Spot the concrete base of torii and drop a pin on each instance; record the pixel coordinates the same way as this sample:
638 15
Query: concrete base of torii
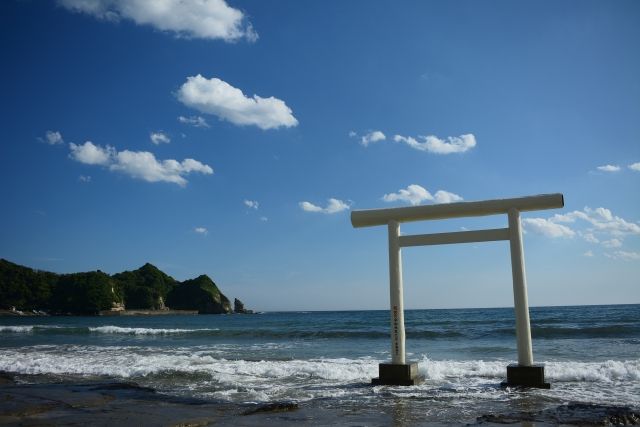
525 376
398 374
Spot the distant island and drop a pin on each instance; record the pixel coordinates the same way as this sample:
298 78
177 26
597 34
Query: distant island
146 290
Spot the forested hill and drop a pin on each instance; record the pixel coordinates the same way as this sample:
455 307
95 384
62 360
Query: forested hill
146 288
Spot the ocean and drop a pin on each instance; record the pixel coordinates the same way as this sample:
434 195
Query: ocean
327 359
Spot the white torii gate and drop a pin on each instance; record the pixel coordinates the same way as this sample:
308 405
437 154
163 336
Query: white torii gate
398 372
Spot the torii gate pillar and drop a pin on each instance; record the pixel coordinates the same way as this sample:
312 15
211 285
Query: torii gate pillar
523 374
398 372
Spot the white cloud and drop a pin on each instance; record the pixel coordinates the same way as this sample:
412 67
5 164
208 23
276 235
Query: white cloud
374 136
352 134
91 154
207 19
436 145
195 121
414 194
52 137
547 227
264 219
159 138
629 256
253 204
446 197
613 243
201 230
602 226
601 220
84 178
138 164
217 97
609 168
333 206
635 166
588 254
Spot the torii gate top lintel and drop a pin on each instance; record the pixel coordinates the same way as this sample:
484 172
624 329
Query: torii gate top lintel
372 217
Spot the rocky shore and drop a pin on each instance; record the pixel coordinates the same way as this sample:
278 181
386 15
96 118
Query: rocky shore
107 403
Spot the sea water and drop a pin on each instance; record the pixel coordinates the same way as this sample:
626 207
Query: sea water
591 354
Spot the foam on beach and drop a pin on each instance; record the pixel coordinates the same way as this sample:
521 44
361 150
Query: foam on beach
16 329
108 329
206 373
145 331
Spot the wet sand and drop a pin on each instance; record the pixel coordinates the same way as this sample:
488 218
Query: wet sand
128 404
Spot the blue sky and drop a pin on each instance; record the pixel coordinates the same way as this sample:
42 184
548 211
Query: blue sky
233 139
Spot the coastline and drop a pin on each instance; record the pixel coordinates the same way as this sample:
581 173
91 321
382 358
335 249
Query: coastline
9 313
106 403
147 312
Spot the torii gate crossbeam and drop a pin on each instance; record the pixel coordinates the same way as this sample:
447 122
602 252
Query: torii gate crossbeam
398 372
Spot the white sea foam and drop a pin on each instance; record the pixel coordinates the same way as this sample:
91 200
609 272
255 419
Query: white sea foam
263 380
16 329
143 331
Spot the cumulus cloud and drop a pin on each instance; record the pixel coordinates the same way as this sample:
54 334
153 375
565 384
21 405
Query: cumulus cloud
52 137
588 254
547 227
333 206
601 220
264 219
433 144
217 97
159 138
253 204
201 230
635 166
609 168
442 196
195 121
599 225
84 178
370 137
416 194
91 154
206 19
413 194
138 164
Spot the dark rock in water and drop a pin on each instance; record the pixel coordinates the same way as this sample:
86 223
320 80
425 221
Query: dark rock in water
272 407
6 378
571 414
238 307
122 387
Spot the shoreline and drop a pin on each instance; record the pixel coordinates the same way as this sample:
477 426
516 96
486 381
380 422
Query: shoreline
9 313
111 402
147 312
109 313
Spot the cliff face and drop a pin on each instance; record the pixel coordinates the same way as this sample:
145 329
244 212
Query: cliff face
88 293
200 294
